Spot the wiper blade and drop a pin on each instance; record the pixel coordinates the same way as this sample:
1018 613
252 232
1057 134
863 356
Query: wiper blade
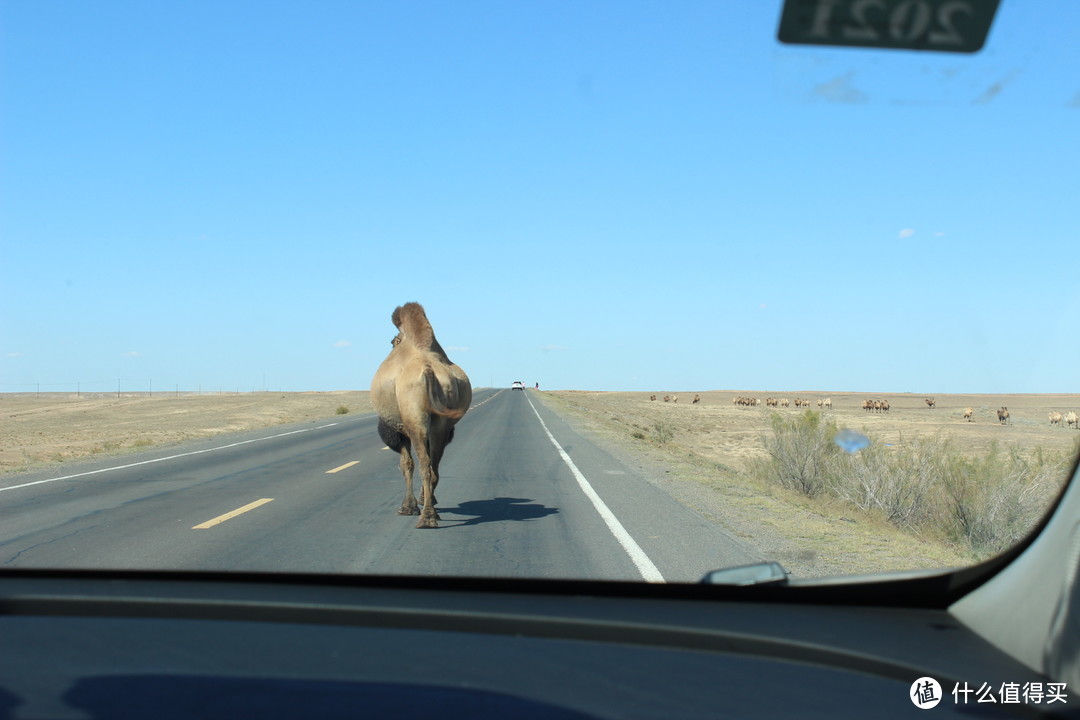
766 573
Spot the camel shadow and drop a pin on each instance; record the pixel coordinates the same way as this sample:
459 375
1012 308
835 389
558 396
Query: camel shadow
495 510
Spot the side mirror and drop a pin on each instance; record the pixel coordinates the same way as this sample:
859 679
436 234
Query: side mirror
766 573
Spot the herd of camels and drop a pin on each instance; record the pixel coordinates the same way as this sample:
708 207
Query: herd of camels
1069 418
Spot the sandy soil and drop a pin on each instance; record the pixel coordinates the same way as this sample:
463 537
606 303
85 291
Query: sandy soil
39 430
702 463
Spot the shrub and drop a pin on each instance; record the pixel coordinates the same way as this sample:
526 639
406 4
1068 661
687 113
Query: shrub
993 501
988 503
895 481
799 449
662 432
342 410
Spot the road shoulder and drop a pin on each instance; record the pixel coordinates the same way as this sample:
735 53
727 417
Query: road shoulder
809 538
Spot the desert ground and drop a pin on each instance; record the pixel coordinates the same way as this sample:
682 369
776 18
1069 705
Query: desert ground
48 428
698 452
719 430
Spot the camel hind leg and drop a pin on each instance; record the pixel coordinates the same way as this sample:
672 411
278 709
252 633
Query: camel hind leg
428 517
399 442
409 506
435 453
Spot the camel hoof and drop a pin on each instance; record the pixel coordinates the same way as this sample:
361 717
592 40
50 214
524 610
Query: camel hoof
428 522
408 511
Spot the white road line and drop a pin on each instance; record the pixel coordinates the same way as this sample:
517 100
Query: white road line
645 566
230 515
163 459
343 467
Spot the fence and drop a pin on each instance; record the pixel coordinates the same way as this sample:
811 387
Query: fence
120 387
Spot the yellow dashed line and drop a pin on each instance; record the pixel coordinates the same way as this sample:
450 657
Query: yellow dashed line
229 515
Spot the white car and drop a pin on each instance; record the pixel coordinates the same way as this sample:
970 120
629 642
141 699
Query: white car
518 385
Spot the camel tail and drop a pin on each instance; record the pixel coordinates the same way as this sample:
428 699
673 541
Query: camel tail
436 398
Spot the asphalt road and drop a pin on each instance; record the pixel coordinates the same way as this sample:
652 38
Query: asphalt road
521 494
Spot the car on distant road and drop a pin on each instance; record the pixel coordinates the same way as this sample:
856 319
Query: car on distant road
518 385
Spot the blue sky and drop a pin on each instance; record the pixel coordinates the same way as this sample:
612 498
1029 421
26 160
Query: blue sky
605 196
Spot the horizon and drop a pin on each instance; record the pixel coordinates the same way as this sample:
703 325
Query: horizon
165 393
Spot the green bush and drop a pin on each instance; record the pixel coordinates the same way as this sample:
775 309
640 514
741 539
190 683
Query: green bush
342 410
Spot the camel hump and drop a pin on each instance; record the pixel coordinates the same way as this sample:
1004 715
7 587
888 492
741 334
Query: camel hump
437 400
413 323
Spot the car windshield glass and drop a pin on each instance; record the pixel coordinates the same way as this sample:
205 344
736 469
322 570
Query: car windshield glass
765 301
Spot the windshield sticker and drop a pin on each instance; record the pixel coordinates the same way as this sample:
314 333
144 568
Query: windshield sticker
941 25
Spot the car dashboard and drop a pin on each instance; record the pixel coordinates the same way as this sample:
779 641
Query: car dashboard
170 645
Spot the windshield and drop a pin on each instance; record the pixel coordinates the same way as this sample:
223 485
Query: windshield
758 301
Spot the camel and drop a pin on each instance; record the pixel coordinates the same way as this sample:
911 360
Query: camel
419 395
1071 419
931 403
968 413
1003 415
696 400
1055 418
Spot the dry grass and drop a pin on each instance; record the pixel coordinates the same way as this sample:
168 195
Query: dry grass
55 428
707 464
987 502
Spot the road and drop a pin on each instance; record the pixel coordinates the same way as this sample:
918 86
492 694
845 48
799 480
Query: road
521 494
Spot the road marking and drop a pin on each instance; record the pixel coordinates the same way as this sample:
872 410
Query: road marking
473 407
163 459
346 465
230 515
641 561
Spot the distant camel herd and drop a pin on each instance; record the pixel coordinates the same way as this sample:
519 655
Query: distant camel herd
779 402
675 398
1070 418
879 406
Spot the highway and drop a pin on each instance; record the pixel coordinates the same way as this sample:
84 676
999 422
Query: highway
521 494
